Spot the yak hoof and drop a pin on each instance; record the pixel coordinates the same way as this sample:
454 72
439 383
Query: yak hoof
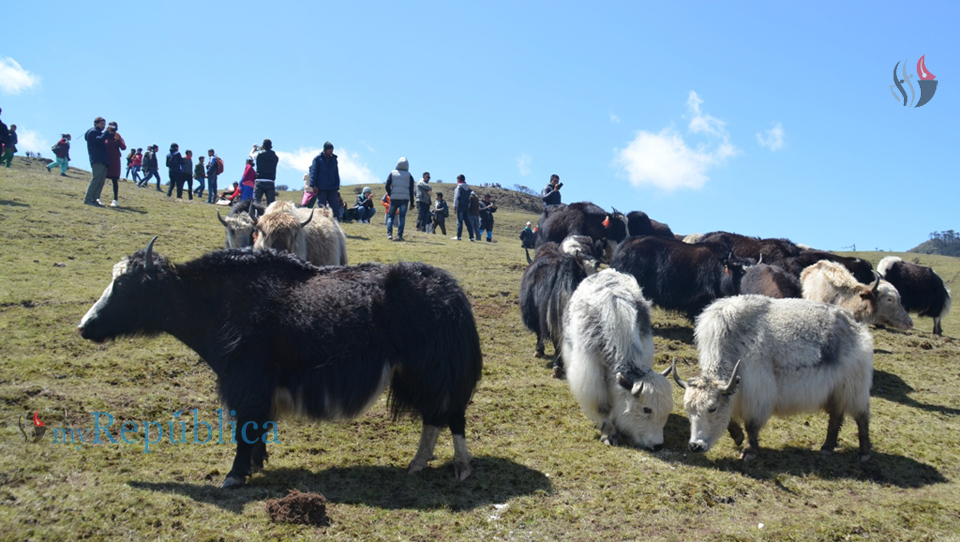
233 482
416 466
748 455
462 471
539 354
610 440
864 457
826 452
558 372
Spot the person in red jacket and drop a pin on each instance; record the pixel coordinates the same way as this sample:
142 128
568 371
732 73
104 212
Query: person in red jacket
248 180
115 145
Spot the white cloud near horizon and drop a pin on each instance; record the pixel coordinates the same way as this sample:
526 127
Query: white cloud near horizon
28 140
14 79
772 138
352 169
523 164
665 161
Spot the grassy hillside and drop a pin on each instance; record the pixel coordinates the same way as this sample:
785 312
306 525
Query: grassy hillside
539 470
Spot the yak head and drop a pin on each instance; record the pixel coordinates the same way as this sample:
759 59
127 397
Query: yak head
707 403
585 248
734 267
282 230
880 304
240 228
126 302
645 402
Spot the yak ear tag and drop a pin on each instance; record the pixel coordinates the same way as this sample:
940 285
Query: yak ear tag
606 222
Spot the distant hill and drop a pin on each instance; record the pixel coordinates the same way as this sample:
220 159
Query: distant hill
509 200
946 243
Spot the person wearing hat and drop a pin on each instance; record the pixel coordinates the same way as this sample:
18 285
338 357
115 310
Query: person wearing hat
527 238
325 180
364 206
151 166
62 153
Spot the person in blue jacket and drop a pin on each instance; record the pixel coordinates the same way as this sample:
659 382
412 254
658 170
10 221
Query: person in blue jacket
99 160
325 180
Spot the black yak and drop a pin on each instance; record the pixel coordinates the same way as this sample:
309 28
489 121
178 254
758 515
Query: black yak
282 334
547 285
557 222
921 289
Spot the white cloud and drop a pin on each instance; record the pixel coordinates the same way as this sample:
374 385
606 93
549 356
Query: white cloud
523 164
772 138
352 170
28 140
14 79
614 119
665 161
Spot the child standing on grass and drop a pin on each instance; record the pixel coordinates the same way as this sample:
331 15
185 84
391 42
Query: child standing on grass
440 212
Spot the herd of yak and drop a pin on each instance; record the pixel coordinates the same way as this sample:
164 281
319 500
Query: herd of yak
288 326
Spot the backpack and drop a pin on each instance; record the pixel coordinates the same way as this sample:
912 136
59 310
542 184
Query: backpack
55 148
219 166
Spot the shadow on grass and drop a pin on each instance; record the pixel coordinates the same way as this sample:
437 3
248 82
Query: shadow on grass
683 334
494 480
129 210
885 469
882 468
358 237
892 388
12 203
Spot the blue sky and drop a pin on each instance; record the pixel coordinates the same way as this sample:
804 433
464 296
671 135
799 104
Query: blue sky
769 119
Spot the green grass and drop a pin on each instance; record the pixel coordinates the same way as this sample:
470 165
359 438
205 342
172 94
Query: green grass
540 471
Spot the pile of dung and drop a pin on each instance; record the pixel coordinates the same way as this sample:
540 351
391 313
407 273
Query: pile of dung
297 507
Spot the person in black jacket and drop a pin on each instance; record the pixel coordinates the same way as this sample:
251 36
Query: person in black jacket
175 170
487 208
266 166
551 194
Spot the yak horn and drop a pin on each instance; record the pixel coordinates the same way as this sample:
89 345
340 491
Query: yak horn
734 380
222 221
307 221
876 284
148 254
676 377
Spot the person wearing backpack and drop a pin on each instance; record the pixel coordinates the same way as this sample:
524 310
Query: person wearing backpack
461 202
214 169
175 170
99 160
130 156
62 153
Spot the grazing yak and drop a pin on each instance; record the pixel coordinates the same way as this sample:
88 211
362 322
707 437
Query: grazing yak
284 335
921 289
680 276
241 222
314 236
771 281
557 222
861 269
761 356
546 287
879 304
608 347
638 223
771 250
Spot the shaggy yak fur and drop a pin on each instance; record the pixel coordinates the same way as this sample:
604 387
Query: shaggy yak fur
545 288
638 223
921 289
557 222
771 250
861 269
241 222
680 276
314 236
830 282
608 345
284 335
761 356
771 281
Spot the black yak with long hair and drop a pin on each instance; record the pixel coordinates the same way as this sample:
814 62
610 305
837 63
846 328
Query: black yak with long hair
282 334
680 276
557 222
547 285
772 250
